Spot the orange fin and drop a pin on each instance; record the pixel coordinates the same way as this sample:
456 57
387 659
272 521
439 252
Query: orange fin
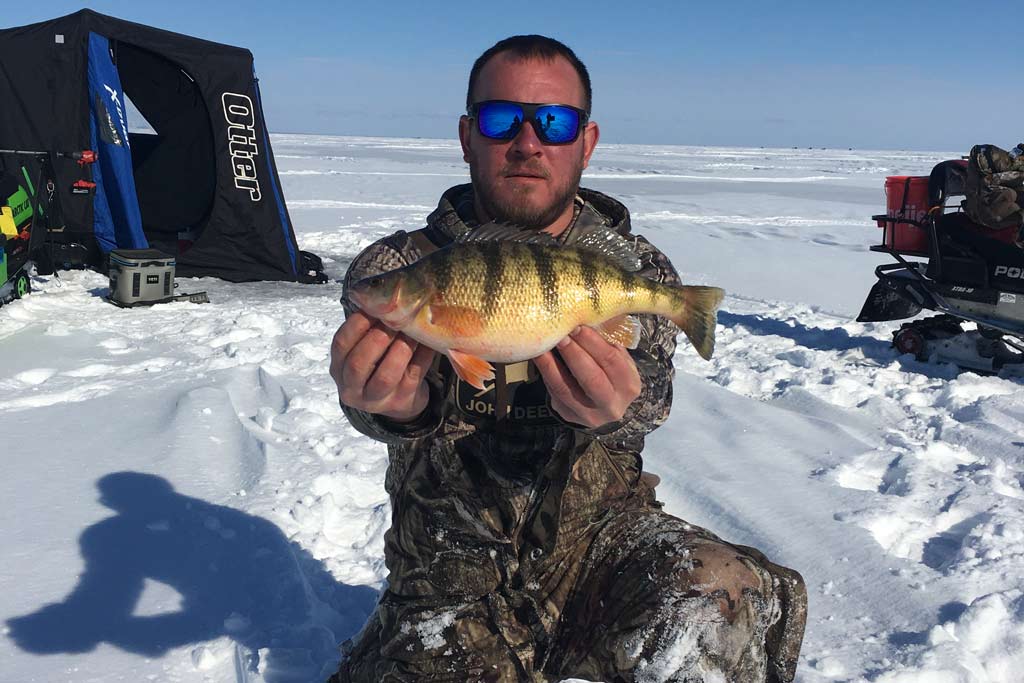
623 330
471 369
458 321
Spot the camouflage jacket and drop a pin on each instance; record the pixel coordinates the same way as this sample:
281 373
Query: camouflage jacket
473 497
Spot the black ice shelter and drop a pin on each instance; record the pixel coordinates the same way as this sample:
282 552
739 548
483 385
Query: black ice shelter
201 186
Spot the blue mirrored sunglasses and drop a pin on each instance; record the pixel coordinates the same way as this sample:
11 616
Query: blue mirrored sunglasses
555 124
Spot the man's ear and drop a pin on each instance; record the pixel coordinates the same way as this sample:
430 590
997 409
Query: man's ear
591 134
464 132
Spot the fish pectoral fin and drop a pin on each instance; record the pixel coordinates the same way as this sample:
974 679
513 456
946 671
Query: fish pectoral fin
623 330
471 369
458 321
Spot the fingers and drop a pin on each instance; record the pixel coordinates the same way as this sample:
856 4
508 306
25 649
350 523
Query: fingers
561 385
401 370
567 398
603 352
390 369
617 366
582 363
567 413
421 361
382 371
350 332
363 358
590 381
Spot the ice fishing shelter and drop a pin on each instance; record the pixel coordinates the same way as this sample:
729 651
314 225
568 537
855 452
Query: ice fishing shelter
202 185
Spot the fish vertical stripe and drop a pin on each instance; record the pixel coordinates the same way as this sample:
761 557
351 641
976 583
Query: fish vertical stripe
628 283
443 270
548 279
494 268
589 272
651 288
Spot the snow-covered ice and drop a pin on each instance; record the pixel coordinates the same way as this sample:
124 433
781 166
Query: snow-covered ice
185 501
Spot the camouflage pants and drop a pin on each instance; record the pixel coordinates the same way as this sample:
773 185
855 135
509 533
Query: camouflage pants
648 598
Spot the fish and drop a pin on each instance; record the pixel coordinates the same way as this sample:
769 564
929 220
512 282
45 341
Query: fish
504 294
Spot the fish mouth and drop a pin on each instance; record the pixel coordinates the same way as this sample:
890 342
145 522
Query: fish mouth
360 296
395 314
399 321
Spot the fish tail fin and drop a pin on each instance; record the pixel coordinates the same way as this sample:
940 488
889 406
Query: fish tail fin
697 316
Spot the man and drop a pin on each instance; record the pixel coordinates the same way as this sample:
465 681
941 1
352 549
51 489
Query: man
526 543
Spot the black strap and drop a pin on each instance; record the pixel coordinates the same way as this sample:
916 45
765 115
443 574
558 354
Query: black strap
500 393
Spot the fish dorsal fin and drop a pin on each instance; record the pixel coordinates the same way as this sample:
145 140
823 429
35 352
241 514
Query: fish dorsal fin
507 232
607 243
612 246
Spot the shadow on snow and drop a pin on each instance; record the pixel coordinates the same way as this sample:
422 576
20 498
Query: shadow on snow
236 575
839 340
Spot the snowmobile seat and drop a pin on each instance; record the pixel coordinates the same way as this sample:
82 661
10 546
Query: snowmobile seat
949 179
957 223
971 255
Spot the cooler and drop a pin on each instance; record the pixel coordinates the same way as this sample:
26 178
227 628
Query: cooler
139 277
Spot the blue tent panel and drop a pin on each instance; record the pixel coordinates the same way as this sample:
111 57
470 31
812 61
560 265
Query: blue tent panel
286 227
117 219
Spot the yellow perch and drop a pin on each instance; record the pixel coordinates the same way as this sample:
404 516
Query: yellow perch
505 295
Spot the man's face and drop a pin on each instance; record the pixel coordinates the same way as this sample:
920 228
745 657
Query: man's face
524 181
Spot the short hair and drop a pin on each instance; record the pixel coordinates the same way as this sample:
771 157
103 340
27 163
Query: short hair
531 47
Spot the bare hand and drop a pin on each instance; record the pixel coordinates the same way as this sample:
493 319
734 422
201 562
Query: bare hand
379 370
594 382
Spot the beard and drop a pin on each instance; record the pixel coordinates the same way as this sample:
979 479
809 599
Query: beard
517 209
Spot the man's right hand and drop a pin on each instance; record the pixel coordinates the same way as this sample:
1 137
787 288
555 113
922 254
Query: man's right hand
379 370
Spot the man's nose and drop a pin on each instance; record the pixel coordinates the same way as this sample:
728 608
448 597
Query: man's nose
526 143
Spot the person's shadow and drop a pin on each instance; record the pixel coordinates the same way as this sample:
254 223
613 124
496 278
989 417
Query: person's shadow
236 575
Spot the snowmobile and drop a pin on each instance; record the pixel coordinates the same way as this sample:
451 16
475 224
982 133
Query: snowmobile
16 263
16 284
29 213
970 275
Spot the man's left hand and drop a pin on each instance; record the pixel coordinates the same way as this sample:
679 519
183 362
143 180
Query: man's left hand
594 381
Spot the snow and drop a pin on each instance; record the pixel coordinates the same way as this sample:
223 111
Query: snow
186 502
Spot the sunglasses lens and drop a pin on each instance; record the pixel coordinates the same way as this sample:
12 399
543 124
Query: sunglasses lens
499 120
556 124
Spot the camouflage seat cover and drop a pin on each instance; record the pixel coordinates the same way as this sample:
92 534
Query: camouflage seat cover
995 188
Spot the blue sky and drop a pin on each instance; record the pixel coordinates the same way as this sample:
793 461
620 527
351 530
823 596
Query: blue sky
938 75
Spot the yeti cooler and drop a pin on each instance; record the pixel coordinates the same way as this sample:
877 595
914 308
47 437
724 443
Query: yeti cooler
139 277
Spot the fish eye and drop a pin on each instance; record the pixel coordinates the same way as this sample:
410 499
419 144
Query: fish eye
376 281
